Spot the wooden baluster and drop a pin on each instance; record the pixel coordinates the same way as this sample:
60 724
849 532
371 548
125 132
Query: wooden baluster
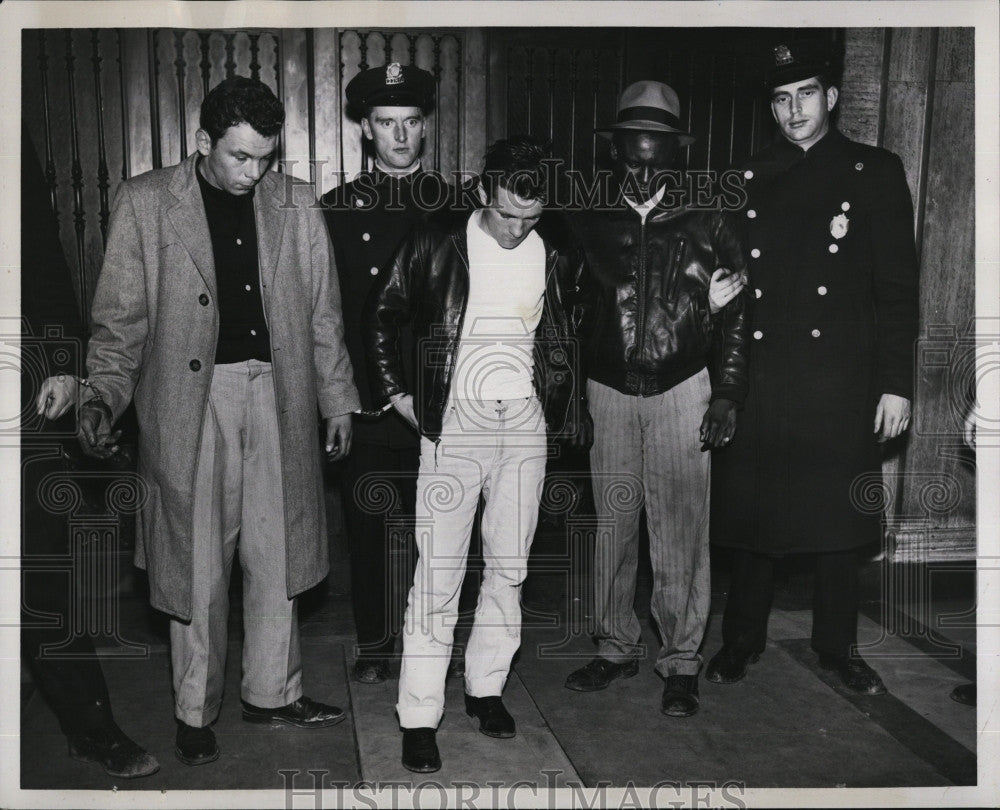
363 48
574 80
50 166
205 65
230 55
79 217
154 98
255 56
437 102
459 104
180 68
595 84
126 168
102 160
551 78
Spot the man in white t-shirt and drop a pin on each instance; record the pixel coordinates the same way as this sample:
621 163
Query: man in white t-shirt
495 300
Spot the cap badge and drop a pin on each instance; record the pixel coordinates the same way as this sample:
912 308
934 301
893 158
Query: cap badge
394 73
838 227
782 56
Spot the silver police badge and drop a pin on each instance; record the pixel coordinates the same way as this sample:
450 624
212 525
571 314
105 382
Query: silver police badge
783 55
394 73
839 225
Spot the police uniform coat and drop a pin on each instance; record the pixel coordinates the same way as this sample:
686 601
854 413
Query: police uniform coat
368 219
155 329
833 274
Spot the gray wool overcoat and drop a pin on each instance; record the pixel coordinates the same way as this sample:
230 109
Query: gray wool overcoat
155 328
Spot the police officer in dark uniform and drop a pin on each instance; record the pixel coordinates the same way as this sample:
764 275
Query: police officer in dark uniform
368 218
828 227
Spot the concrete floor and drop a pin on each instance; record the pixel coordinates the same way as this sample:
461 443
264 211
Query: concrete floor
788 724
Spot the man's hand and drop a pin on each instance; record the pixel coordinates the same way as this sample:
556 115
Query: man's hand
93 430
724 287
338 437
580 431
56 395
719 424
404 405
892 417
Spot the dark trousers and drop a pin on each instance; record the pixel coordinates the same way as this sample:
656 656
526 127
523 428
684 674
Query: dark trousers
835 602
379 490
64 667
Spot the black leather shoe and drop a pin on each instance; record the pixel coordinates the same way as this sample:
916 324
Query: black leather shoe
195 746
680 696
599 673
371 670
420 750
303 713
854 673
729 665
965 694
494 719
114 751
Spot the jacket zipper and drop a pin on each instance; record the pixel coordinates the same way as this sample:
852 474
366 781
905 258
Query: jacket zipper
640 297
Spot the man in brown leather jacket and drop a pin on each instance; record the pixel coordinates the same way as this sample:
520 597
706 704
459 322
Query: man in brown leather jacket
669 279
494 300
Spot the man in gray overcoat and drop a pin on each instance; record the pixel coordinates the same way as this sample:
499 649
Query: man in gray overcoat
218 312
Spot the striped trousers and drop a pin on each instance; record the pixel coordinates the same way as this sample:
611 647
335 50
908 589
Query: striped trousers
647 452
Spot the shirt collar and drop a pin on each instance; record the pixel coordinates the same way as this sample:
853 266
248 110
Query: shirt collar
643 208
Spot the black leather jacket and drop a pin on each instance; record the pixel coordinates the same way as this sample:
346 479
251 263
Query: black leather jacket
652 323
428 286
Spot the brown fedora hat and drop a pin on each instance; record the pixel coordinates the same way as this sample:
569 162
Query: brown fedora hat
651 106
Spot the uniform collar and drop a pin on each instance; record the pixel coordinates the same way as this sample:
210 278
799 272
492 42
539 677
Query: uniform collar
828 145
381 175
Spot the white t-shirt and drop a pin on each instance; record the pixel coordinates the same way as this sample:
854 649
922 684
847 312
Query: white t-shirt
506 295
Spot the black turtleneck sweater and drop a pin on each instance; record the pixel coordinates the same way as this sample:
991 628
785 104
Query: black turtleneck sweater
243 331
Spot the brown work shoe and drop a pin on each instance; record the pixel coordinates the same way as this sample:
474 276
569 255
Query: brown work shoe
854 673
302 713
600 672
114 751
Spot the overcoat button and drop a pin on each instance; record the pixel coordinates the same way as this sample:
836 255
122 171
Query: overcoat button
358 203
758 292
845 206
755 253
758 335
203 300
748 174
366 236
194 365
834 248
374 271
815 333
247 287
859 166
821 290
751 214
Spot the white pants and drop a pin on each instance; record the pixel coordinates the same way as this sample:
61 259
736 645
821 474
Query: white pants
497 448
238 495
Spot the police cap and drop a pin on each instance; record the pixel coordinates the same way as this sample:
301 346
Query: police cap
392 85
793 62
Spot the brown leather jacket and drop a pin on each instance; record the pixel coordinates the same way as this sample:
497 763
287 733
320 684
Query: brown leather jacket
652 323
428 286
